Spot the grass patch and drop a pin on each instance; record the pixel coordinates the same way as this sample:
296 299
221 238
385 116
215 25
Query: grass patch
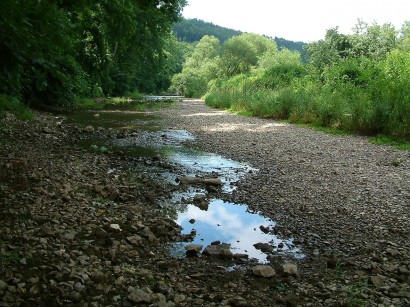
387 140
242 113
15 106
317 127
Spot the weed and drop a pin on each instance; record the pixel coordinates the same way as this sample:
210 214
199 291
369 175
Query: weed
355 294
10 258
97 149
281 287
338 272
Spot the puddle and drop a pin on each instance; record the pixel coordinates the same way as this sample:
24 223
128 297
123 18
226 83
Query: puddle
226 222
229 223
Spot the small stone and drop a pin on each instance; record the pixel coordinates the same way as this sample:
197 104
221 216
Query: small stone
179 298
264 247
79 287
34 280
120 281
290 269
3 285
100 233
134 240
264 271
221 251
192 221
138 296
193 247
70 235
23 261
89 129
115 227
34 290
377 281
264 229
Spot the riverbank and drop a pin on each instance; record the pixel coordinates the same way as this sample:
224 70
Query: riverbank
344 200
78 228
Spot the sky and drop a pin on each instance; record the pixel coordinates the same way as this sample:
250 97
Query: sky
297 20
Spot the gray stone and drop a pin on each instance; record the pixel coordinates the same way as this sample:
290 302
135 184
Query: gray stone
70 235
89 129
3 285
220 251
264 271
138 296
377 281
290 269
194 247
134 240
115 227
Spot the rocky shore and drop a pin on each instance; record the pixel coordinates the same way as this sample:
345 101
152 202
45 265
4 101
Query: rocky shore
80 228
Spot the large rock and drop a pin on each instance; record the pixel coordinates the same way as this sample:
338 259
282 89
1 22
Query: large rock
220 251
263 271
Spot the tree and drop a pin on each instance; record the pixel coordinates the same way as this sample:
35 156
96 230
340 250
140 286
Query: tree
241 53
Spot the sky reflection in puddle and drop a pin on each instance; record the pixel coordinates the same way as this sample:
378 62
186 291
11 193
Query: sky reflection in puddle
229 223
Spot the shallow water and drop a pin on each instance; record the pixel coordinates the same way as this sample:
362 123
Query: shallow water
226 222
229 223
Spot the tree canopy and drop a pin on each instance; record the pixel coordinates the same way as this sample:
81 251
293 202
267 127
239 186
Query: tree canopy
51 51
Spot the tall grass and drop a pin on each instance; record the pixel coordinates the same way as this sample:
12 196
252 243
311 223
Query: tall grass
355 95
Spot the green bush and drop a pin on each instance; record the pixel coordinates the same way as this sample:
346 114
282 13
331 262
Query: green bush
15 106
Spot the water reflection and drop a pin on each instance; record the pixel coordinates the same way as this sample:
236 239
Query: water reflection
229 223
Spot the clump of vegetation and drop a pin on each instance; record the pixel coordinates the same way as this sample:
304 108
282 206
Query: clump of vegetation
355 83
52 52
15 106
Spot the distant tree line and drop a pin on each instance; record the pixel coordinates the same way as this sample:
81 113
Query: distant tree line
192 31
53 51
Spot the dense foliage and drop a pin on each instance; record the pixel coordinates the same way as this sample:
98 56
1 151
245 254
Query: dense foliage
357 82
193 30
52 51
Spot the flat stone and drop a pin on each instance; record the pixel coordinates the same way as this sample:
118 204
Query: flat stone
263 271
115 227
138 296
377 281
220 251
134 240
193 247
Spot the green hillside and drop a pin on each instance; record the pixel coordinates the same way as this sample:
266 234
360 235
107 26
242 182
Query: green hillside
192 30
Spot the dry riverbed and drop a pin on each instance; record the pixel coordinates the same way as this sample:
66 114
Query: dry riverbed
80 228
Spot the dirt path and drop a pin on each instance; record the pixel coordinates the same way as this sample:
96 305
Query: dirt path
345 201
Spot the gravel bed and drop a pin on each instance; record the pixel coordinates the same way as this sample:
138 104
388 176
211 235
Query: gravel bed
346 202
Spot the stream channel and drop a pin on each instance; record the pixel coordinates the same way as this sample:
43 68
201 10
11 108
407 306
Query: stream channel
139 132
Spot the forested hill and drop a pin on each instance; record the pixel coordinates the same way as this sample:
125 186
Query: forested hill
192 30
